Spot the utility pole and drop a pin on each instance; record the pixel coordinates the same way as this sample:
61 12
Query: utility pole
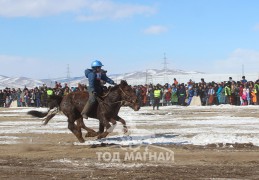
146 76
68 75
243 71
165 68
50 83
149 78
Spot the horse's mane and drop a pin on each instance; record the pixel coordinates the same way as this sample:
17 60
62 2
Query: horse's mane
115 88
110 89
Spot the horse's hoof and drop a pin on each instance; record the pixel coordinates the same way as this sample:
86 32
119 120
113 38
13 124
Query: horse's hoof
125 130
44 122
90 134
103 135
81 140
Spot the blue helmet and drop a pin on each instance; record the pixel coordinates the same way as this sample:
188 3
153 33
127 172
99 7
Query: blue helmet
96 63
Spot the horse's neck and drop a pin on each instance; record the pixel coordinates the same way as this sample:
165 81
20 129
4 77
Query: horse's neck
113 98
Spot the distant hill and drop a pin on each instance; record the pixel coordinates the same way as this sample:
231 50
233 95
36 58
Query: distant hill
137 77
18 82
134 78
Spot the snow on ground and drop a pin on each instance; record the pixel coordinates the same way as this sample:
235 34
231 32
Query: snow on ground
169 125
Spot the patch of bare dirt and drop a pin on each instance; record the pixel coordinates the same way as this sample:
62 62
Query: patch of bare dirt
67 161
54 156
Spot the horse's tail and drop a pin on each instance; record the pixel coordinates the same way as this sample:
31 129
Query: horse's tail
54 104
38 114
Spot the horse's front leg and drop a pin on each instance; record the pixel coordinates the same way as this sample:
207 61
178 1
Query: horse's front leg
101 127
109 128
114 123
123 122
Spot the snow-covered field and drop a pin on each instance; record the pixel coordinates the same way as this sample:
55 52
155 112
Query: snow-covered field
169 125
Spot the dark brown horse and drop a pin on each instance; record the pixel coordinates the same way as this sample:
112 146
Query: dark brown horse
106 110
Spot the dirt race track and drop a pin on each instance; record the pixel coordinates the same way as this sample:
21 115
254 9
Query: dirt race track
54 156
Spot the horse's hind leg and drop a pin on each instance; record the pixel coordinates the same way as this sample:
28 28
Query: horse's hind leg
76 130
90 132
50 115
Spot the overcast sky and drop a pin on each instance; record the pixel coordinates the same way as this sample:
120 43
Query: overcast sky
40 38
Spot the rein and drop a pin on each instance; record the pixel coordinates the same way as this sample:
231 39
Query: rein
115 101
101 100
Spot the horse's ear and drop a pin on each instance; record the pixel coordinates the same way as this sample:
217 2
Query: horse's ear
123 83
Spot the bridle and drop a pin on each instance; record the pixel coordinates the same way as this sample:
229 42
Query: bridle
127 98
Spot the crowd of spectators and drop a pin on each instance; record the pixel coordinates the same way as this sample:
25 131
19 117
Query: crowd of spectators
33 97
241 92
